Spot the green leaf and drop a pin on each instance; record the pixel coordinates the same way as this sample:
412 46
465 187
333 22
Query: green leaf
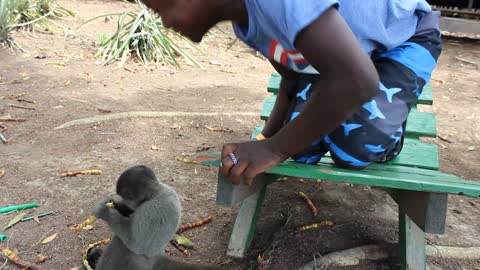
182 240
15 220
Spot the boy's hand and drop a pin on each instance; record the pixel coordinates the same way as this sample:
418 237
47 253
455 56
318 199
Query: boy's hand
253 158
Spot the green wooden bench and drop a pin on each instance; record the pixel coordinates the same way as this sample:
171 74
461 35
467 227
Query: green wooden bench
412 179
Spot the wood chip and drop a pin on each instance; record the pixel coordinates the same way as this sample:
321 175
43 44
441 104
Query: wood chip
20 107
444 139
86 172
26 100
16 96
8 118
3 139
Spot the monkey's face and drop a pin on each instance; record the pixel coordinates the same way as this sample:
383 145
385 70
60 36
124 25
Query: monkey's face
131 203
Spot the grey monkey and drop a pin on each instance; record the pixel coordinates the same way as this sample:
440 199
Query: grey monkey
143 221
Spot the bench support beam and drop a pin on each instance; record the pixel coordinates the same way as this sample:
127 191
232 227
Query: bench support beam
426 209
245 224
411 243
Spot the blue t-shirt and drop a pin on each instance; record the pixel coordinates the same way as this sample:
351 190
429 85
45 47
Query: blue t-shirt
378 25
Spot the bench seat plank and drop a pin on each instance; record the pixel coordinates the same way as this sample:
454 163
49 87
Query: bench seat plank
380 175
414 153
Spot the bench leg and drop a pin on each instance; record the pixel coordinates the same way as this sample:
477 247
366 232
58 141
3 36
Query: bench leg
244 228
411 243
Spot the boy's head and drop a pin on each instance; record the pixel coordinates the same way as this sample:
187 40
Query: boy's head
191 18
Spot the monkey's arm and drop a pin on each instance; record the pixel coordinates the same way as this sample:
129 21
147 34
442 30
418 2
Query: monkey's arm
153 225
119 224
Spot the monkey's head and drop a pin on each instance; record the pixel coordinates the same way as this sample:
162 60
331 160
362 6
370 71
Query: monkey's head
137 185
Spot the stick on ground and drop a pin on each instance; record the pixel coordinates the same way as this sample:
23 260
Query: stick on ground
141 114
309 202
353 256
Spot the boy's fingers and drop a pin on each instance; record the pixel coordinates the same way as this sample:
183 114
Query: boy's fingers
228 148
227 164
249 175
236 173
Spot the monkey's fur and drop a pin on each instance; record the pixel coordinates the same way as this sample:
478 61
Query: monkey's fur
143 222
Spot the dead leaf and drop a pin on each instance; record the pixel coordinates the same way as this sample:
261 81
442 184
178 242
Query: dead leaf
35 217
50 238
15 220
41 258
182 240
87 228
2 173
155 148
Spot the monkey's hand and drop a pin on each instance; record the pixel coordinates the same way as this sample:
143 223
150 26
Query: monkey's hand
101 210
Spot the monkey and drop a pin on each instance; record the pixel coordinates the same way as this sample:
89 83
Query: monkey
143 219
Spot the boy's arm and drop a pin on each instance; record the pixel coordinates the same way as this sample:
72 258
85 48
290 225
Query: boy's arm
348 80
282 104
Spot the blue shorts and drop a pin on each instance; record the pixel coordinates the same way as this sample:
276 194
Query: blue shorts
375 132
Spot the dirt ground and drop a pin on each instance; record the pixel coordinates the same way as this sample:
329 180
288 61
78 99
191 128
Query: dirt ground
60 74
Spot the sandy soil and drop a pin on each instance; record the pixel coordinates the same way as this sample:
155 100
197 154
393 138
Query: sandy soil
59 73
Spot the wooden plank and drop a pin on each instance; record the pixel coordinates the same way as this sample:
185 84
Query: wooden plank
417 154
421 124
274 83
427 210
425 98
418 123
244 228
414 153
229 195
411 243
381 175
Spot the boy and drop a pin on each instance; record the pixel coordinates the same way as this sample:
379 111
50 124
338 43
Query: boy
351 71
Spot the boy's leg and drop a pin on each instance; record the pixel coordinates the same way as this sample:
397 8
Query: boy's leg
375 132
